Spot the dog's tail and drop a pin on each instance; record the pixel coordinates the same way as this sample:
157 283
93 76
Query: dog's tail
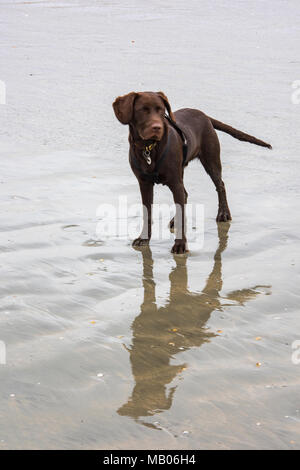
220 126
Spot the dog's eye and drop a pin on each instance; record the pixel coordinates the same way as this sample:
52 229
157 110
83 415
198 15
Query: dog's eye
146 109
159 109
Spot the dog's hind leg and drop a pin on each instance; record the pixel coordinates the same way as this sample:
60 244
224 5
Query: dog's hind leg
147 199
171 223
210 159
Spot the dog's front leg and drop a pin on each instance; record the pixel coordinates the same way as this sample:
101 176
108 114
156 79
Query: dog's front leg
147 199
180 245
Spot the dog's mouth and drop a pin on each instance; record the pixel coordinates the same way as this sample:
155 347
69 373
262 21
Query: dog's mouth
156 136
152 131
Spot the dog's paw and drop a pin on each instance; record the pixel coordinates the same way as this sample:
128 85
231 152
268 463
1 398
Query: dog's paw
223 215
179 247
140 241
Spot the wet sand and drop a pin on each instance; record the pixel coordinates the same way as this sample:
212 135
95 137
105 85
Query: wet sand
108 347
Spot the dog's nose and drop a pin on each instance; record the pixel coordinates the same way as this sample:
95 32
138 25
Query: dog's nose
156 127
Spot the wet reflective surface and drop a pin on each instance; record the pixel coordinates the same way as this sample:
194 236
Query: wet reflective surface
112 347
159 333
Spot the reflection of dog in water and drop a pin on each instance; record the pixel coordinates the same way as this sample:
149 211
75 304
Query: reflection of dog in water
160 333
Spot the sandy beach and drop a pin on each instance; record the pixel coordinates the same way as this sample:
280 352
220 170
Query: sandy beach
110 347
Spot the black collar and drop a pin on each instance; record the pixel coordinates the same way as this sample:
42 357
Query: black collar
153 177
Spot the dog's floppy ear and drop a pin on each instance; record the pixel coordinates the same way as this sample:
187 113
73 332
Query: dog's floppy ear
167 104
123 107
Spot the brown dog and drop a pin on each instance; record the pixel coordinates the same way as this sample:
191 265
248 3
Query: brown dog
162 146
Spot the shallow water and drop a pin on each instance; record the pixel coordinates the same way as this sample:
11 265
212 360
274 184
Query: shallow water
112 347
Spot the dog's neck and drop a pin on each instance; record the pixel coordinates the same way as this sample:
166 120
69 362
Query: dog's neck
140 145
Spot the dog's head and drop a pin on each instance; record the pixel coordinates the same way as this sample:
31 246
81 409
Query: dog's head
145 112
